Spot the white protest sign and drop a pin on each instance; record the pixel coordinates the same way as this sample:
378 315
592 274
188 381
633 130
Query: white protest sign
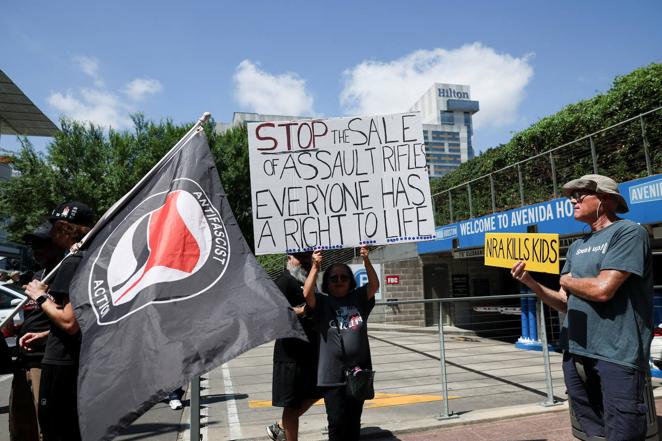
339 183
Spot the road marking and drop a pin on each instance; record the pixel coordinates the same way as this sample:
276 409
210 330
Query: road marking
204 409
233 413
380 400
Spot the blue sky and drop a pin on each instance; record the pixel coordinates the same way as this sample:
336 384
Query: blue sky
523 59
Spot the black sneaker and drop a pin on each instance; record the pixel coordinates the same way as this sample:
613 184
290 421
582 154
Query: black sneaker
275 432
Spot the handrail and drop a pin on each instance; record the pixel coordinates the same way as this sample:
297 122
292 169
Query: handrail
464 299
547 152
455 299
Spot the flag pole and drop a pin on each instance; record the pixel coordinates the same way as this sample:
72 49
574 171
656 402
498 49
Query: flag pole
120 203
117 206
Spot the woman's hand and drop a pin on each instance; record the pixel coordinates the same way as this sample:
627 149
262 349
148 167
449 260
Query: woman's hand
31 338
317 259
364 252
35 289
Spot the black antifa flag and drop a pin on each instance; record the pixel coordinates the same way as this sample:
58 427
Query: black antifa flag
168 289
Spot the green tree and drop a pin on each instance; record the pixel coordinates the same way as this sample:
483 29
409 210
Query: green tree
97 167
230 151
620 152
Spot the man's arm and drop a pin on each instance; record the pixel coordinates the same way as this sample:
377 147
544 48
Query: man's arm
556 299
63 316
597 289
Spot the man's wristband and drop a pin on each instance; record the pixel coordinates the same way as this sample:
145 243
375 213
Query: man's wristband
41 299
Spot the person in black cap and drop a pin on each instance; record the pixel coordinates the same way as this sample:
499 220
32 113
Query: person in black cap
31 338
58 412
607 292
294 377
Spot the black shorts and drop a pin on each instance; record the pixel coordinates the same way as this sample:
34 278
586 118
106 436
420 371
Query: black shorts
293 383
58 415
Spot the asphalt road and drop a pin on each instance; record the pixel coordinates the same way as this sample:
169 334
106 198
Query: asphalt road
159 424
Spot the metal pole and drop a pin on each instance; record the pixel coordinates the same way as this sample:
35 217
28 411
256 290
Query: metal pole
545 355
471 208
493 193
445 412
553 167
649 168
521 186
195 408
450 204
594 155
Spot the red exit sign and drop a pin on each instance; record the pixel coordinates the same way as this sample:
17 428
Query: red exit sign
392 280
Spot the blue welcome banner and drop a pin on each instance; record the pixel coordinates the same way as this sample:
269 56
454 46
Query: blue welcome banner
644 198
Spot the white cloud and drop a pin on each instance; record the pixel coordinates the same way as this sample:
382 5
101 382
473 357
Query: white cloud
92 105
90 67
137 89
99 105
497 81
261 92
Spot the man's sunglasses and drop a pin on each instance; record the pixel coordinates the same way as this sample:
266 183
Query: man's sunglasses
579 195
339 278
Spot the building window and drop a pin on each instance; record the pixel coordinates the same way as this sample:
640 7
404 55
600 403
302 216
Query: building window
470 132
447 117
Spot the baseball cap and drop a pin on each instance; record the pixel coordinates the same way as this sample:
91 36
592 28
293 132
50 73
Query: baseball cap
41 233
74 212
598 184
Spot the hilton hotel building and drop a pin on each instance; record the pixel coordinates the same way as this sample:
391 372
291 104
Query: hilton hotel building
446 111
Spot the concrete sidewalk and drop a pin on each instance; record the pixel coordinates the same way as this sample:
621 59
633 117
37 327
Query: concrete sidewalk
548 426
552 426
491 384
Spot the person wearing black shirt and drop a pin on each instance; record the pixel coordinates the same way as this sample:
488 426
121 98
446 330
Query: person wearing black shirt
58 412
341 314
31 338
294 383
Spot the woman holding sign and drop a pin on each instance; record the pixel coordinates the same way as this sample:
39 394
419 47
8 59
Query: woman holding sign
345 367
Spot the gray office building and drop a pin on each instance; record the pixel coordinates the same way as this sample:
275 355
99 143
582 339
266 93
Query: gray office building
446 111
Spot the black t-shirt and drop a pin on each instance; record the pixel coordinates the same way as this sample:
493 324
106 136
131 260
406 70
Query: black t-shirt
294 350
348 347
34 320
61 348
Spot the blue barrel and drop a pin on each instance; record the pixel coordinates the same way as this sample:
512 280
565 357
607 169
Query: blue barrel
533 322
525 317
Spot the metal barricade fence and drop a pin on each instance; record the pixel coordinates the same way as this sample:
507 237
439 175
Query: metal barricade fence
482 359
443 371
623 151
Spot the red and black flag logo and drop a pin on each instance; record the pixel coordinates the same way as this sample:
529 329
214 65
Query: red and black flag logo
171 247
167 289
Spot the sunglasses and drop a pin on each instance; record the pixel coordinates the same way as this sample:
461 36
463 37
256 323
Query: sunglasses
342 278
579 195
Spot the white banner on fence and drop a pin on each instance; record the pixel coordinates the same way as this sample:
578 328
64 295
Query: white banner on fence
339 183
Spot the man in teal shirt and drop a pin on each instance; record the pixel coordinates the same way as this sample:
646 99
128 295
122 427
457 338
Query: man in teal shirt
607 294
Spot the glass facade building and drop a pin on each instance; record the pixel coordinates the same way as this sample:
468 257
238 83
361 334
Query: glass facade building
446 112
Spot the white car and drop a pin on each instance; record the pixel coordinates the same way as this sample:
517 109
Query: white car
10 297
